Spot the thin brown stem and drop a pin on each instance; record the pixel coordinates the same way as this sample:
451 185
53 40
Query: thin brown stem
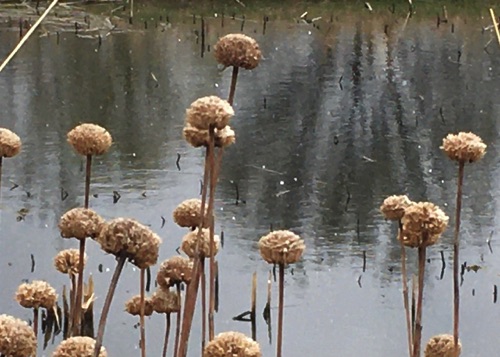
203 305
418 322
456 257
253 307
72 299
107 303
1 163
87 180
178 327
142 322
79 292
232 90
35 321
167 333
214 172
406 303
281 303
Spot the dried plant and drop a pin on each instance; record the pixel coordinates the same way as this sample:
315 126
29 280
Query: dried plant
17 338
187 214
442 346
232 344
78 347
166 302
10 146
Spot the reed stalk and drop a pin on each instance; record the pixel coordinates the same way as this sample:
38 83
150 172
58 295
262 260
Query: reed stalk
495 25
405 291
35 321
281 305
178 327
1 163
232 90
167 334
142 322
418 321
253 308
203 304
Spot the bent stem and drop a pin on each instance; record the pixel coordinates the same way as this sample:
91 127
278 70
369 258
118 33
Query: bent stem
142 322
232 90
404 278
456 262
280 308
107 303
178 327
35 321
418 322
167 333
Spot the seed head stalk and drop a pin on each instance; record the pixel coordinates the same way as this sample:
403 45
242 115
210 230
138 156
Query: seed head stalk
281 303
404 278
418 321
142 322
167 334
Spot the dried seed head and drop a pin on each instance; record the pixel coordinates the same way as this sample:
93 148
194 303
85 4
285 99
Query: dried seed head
133 306
187 213
188 244
80 223
10 143
393 207
165 301
423 223
196 137
281 247
36 294
129 237
237 50
442 346
464 147
209 111
90 139
174 271
17 338
66 261
78 347
228 344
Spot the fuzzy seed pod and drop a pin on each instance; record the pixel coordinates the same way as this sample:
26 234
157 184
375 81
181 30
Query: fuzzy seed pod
281 247
442 346
188 244
423 223
17 338
78 347
36 294
80 223
196 137
90 139
66 261
209 111
10 143
174 271
393 207
133 306
187 213
464 147
127 236
228 344
237 50
165 301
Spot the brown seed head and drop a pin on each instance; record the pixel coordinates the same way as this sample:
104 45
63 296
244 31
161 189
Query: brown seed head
196 137
90 139
127 236
10 143
17 338
237 50
281 247
165 301
174 271
188 244
442 346
187 213
209 111
423 223
78 347
80 223
393 207
229 344
36 294
66 261
464 147
133 306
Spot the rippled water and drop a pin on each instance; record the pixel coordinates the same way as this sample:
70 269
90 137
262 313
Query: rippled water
333 120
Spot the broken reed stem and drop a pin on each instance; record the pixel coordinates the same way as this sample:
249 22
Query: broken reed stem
405 290
178 327
107 303
77 309
253 307
167 333
456 258
35 321
142 322
495 24
232 89
203 304
280 308
418 322
72 299
413 303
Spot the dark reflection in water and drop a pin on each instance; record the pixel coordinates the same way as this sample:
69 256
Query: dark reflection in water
328 125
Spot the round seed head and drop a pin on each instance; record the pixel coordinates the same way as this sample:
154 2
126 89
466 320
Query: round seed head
17 338
165 301
174 271
187 213
464 147
78 347
238 50
423 223
188 244
36 294
80 223
209 111
10 143
127 236
442 346
66 261
393 207
197 138
281 247
133 306
228 344
90 139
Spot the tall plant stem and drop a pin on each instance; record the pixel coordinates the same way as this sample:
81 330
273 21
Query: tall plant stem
142 322
35 321
281 303
203 305
1 162
72 299
178 327
418 322
456 257
107 303
406 303
232 90
88 171
167 333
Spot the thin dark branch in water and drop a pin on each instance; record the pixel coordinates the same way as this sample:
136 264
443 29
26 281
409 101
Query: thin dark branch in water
243 317
359 281
163 220
488 241
348 198
116 197
340 83
222 239
443 265
14 186
32 263
177 162
148 279
237 192
64 194
442 115
495 294
364 261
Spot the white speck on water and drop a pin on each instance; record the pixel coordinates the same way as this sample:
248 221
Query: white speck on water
179 40
295 179
445 204
233 218
309 33
133 154
282 183
442 181
47 125
216 85
215 15
222 208
419 146
107 269
405 83
430 171
263 166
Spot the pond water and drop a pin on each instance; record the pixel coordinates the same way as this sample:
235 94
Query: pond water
332 121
